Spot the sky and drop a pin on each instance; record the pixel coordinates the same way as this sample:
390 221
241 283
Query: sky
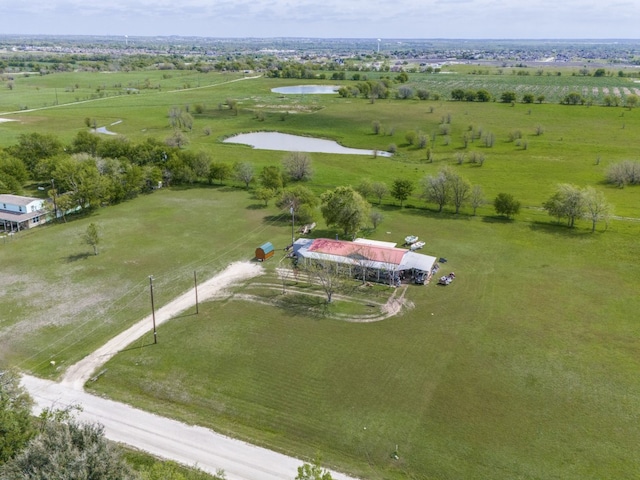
397 19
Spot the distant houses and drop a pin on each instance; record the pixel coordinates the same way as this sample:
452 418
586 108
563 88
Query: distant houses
21 213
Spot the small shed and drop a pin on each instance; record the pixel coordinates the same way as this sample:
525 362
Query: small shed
265 251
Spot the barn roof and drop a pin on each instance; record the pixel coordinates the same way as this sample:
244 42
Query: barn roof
357 251
373 256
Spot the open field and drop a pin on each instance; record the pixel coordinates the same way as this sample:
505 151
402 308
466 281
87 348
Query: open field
526 369
68 301
576 145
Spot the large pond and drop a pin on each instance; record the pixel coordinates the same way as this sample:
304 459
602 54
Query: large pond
306 90
297 143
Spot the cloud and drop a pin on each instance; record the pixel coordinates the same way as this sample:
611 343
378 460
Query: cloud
329 18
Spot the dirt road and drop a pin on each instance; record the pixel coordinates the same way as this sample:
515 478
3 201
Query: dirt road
77 375
166 438
163 437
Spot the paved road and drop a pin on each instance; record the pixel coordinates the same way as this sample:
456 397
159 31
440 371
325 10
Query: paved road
166 438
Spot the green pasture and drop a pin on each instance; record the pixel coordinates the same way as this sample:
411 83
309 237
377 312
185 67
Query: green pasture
576 144
526 369
62 301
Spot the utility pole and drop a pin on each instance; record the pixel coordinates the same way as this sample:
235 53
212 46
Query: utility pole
55 194
195 283
153 311
293 236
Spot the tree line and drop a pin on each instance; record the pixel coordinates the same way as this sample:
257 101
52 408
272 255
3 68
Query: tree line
91 172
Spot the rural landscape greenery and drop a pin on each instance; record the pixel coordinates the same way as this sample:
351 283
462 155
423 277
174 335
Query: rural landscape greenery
521 173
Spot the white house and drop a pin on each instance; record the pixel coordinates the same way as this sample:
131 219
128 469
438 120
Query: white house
21 213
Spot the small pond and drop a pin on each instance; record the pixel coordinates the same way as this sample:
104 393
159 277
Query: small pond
104 131
296 143
306 90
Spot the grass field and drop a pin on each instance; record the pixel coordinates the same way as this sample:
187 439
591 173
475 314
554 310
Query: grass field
526 369
68 301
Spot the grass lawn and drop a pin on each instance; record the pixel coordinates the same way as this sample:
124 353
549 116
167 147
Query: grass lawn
63 301
526 369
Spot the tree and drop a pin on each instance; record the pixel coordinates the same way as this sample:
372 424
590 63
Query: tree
476 198
506 205
13 173
457 94
233 105
243 172
302 200
527 98
68 449
435 189
470 95
264 194
364 188
91 237
79 176
624 173
271 177
411 136
85 142
219 171
401 189
344 208
573 98
405 93
297 165
178 139
508 97
483 95
566 202
375 218
378 90
33 147
379 190
447 186
596 207
313 471
64 204
326 274
459 187
16 427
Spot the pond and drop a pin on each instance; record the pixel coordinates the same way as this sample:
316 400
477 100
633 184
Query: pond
296 143
306 90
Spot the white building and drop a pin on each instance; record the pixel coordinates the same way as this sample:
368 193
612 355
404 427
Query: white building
21 213
372 260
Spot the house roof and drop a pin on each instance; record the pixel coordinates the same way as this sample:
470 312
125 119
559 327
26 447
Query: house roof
17 199
19 217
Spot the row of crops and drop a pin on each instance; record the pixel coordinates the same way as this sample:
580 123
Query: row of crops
553 88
